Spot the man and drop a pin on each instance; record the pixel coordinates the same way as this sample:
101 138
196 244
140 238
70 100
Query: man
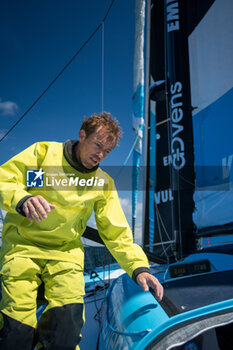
42 230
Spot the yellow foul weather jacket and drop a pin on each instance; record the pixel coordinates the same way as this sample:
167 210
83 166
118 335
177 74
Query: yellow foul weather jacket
76 193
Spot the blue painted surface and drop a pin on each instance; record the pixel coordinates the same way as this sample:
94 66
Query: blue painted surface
131 318
129 315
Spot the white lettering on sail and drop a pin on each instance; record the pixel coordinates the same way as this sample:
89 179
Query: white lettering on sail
163 196
226 166
172 16
177 143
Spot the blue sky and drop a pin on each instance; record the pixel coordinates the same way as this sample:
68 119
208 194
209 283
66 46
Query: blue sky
37 38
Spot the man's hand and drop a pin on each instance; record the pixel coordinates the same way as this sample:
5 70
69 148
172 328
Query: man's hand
145 280
37 206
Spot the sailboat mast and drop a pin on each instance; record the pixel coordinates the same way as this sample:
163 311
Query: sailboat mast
138 100
179 109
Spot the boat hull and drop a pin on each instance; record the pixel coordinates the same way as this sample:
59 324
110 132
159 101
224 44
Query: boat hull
193 307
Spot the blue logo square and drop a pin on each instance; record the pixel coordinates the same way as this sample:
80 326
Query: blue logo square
35 178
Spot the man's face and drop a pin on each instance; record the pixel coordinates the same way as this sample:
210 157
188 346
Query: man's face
93 149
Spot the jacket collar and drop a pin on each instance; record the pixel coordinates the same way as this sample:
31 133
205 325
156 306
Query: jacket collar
69 154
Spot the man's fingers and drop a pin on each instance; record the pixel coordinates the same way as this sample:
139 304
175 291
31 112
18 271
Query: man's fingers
37 206
46 205
144 285
27 213
145 280
157 287
32 211
141 279
40 207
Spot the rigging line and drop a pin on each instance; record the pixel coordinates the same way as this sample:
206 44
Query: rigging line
163 121
163 225
108 10
160 236
131 150
127 157
58 75
187 181
102 95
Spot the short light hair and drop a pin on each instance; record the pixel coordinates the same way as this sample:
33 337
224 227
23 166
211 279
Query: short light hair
104 119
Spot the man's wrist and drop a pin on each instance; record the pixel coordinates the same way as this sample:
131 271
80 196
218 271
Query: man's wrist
139 270
19 206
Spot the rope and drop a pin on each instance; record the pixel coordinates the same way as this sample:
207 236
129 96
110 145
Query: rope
102 94
58 75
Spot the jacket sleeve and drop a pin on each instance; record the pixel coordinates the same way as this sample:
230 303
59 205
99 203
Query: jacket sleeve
114 230
13 176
